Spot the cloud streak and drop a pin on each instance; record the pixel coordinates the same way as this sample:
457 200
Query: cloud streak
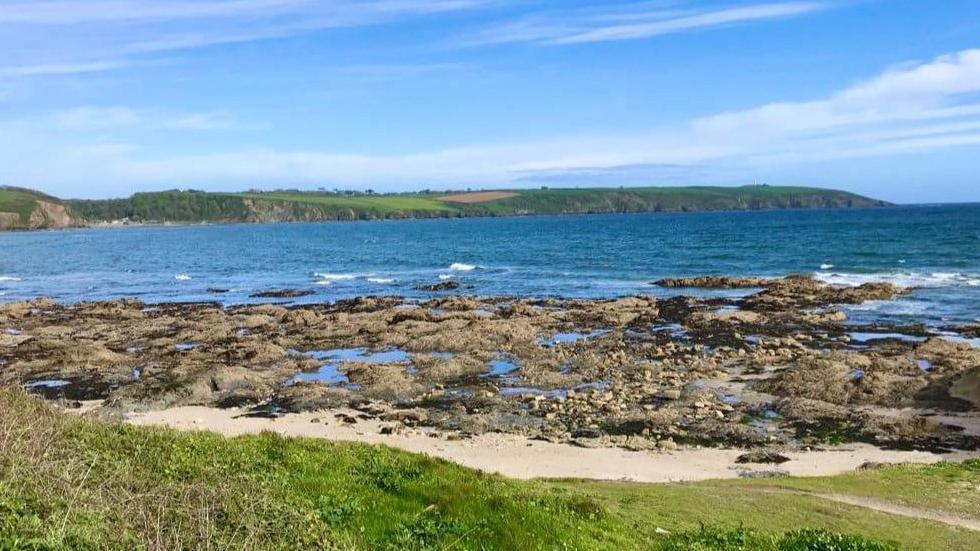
631 22
109 118
912 108
74 12
48 69
122 33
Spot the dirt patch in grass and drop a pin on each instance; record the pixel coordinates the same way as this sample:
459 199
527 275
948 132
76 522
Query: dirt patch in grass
477 197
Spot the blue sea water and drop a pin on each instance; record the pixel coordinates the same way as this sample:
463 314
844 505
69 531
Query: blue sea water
935 249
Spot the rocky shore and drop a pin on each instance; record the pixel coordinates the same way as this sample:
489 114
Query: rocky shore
776 369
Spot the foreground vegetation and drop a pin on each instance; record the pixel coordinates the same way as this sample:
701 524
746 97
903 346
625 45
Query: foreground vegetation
291 206
69 483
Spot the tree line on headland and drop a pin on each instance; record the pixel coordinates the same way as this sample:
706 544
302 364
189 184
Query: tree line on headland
27 209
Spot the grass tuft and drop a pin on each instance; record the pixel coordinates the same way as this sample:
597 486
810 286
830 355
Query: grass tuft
78 484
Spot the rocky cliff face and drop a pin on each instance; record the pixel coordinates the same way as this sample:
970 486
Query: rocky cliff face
50 215
34 213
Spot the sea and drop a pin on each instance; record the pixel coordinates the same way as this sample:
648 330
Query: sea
934 250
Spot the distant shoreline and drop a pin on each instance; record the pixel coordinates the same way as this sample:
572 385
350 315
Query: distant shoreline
26 209
186 224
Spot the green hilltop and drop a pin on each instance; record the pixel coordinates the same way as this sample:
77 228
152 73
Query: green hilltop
297 206
26 209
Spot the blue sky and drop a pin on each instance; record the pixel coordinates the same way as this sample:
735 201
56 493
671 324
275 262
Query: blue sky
103 98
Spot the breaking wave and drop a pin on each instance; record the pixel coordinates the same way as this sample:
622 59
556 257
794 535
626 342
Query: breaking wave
334 277
903 279
460 267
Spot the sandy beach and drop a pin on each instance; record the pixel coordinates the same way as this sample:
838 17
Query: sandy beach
519 457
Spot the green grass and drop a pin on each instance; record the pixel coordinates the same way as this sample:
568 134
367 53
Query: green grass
953 489
654 199
20 202
767 506
378 203
68 483
291 205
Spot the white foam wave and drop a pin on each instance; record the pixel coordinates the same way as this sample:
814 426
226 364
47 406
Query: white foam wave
954 337
334 277
460 267
381 280
446 276
826 266
182 277
901 307
10 278
902 279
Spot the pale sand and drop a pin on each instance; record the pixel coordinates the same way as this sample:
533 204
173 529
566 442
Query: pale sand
519 457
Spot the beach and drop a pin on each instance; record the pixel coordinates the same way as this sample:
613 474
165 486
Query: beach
709 378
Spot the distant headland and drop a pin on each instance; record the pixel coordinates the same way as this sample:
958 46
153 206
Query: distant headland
25 209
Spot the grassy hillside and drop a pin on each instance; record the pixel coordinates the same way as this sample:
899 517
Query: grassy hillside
671 199
288 206
68 483
27 209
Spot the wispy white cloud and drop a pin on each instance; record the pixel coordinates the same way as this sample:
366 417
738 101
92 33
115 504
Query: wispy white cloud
632 22
107 118
72 12
123 33
690 22
925 106
46 69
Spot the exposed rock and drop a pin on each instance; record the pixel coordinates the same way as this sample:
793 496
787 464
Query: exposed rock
411 418
773 369
761 456
713 282
447 285
967 387
282 293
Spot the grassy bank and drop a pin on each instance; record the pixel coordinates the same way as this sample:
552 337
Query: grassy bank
68 483
17 205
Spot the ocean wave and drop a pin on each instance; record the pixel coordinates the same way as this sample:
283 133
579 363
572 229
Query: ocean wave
334 277
446 276
10 278
902 279
901 307
381 280
826 266
460 267
182 277
955 337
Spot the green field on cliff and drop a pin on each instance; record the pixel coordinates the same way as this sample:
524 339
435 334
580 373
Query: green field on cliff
70 483
292 206
19 202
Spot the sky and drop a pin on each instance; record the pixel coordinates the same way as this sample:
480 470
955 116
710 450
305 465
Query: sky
104 98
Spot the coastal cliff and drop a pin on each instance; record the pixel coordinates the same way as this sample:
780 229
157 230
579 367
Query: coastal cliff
25 209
